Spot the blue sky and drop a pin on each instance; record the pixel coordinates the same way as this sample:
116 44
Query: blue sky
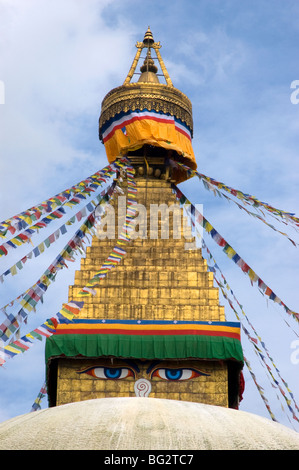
236 62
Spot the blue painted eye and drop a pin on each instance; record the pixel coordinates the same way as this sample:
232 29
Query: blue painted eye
176 374
173 374
112 373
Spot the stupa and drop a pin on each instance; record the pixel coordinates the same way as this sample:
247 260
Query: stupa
155 326
150 362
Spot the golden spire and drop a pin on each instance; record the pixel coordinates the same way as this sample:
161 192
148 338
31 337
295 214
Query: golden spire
148 38
148 69
148 93
149 43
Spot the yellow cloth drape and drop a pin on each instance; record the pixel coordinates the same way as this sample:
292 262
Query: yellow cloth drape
139 128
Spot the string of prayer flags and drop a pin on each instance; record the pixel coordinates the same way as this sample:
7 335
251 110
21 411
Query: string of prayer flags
71 309
25 342
257 216
74 243
31 297
68 311
25 218
276 386
286 217
260 389
118 252
255 341
32 215
25 236
112 261
37 402
10 325
46 243
232 254
250 213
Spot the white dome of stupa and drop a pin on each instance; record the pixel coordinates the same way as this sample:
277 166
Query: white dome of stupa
144 424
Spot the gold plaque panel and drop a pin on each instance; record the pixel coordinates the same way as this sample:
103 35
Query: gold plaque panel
86 379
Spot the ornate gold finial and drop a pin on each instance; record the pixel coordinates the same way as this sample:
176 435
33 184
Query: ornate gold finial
148 70
148 39
148 42
147 93
149 64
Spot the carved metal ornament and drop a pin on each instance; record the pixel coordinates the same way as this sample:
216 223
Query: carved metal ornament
157 97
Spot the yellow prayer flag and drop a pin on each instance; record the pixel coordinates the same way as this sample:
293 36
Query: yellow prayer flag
208 227
252 275
12 349
16 241
26 305
13 270
230 252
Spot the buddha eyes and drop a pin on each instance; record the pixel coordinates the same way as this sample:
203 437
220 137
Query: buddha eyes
176 374
118 373
112 373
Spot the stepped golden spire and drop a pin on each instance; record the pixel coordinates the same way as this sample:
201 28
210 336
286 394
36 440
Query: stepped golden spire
154 325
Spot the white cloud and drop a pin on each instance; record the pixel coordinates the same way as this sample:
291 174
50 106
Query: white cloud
56 66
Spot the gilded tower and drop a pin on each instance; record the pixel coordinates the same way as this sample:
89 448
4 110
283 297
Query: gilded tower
153 325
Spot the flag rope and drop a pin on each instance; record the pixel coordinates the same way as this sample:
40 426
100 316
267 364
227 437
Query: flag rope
25 218
212 184
231 253
31 297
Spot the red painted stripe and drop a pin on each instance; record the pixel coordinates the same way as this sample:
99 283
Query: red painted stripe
66 331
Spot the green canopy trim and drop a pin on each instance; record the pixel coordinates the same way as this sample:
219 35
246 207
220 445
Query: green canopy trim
146 340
